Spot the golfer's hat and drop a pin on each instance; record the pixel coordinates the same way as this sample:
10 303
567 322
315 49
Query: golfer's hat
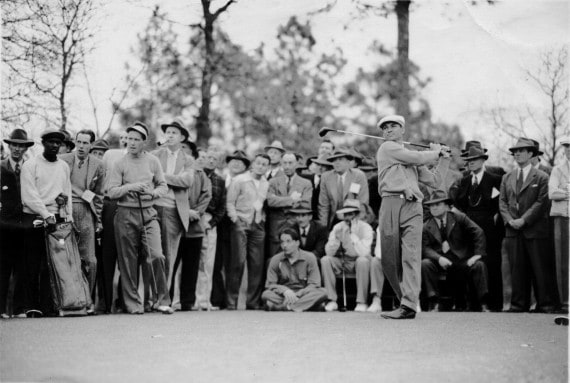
177 123
53 133
391 118
239 155
19 137
139 127
438 196
349 205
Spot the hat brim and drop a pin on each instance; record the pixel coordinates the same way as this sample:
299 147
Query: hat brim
484 156
98 148
322 163
438 200
26 143
300 211
367 168
138 129
184 132
336 156
244 160
531 148
274 147
348 210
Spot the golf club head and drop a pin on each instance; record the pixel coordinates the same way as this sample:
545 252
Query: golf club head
323 131
342 309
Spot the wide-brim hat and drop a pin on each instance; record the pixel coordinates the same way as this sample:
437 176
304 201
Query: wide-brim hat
100 145
303 208
538 151
322 160
350 205
368 165
358 158
139 127
339 153
524 143
177 123
275 145
391 118
437 197
19 137
474 153
469 145
239 155
193 148
53 133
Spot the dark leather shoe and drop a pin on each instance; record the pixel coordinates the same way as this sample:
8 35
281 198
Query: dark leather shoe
561 320
401 312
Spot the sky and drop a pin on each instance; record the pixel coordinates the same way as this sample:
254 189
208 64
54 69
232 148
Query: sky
475 56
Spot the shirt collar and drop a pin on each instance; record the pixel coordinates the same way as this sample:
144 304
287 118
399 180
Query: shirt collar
526 170
13 164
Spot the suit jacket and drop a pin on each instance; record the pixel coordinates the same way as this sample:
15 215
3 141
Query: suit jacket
328 197
464 237
316 239
478 203
95 180
10 197
279 173
315 194
532 204
178 185
279 199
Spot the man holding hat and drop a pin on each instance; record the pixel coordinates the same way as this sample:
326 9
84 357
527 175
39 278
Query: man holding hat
12 233
339 185
349 247
172 209
523 204
275 152
87 177
477 196
136 181
313 235
559 193
46 194
285 192
454 244
401 213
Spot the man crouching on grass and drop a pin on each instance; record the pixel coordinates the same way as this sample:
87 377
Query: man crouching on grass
293 278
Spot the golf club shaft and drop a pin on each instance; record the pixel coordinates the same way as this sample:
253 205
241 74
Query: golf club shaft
343 282
150 266
378 137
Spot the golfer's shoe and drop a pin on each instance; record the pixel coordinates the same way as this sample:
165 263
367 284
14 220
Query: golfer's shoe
361 308
401 312
34 314
165 309
561 320
375 307
331 306
4 316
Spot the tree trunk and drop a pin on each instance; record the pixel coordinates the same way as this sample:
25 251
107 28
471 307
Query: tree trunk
203 123
402 9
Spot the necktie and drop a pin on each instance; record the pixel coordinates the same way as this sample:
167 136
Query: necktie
303 236
17 170
475 183
442 230
288 184
340 192
80 164
519 182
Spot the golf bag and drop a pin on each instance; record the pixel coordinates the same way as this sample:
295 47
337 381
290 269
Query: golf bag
69 287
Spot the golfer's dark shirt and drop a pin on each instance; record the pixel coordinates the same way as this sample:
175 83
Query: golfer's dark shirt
283 276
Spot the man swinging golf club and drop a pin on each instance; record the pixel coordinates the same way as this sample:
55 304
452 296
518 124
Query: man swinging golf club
401 215
135 181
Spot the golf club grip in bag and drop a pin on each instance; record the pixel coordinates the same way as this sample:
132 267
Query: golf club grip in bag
69 287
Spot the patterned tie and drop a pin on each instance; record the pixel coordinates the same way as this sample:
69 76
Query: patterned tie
80 164
475 183
340 192
17 170
288 184
303 236
519 182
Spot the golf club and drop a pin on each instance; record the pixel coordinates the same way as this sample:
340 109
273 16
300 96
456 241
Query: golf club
343 308
323 132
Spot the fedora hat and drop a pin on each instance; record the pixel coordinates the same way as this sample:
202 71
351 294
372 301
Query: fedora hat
239 155
524 143
177 123
438 196
471 144
139 127
339 153
474 153
275 145
356 156
391 118
303 208
19 137
322 160
538 151
100 145
53 133
349 205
